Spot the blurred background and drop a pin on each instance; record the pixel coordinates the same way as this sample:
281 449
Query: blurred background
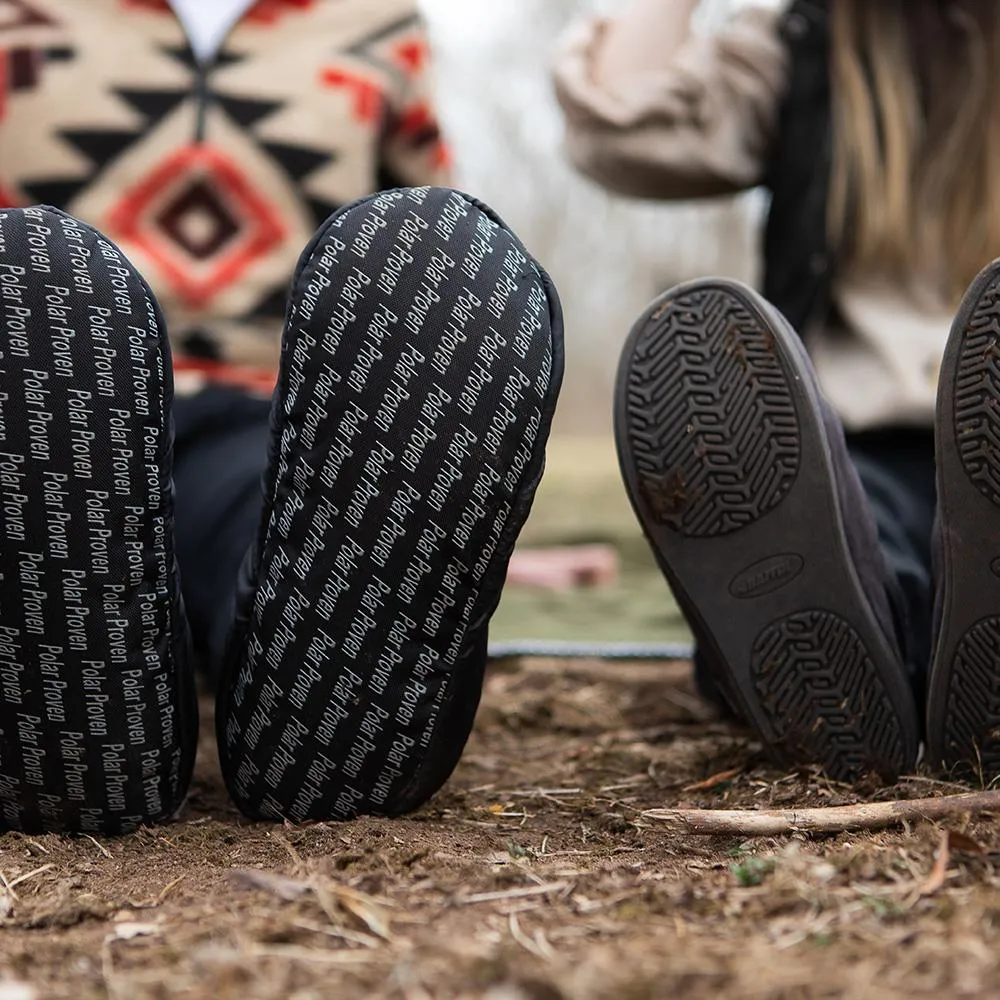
608 256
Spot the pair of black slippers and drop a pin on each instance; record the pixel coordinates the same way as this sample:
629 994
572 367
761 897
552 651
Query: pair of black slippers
421 361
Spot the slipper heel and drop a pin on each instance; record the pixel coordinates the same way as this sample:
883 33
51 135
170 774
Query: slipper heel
97 719
420 367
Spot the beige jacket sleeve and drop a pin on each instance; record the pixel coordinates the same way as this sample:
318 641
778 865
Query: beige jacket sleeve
701 126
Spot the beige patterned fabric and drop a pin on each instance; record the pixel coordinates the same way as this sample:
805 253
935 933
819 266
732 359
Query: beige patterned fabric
212 181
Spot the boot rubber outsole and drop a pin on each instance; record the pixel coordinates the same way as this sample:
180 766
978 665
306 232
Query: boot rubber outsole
963 717
727 466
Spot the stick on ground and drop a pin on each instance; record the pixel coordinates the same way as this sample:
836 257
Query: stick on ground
830 819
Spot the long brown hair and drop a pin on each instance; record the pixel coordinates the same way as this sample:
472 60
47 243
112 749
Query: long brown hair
915 187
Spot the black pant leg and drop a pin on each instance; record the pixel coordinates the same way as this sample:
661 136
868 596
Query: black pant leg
221 450
896 468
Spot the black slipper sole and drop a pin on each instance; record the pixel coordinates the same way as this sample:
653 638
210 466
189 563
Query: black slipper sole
420 367
963 716
97 714
728 468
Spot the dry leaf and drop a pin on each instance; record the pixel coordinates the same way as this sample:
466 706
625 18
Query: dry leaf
713 782
126 931
365 909
284 888
959 841
940 870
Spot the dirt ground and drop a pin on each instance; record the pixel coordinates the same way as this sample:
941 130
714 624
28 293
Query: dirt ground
532 876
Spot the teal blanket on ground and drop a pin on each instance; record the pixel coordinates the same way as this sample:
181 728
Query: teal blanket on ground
581 501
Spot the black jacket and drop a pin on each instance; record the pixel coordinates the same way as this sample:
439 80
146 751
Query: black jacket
797 260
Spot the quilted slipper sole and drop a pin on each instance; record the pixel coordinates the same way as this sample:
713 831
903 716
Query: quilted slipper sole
97 715
418 378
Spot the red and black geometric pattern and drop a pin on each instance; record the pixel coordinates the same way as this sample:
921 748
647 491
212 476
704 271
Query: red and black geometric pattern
21 66
200 219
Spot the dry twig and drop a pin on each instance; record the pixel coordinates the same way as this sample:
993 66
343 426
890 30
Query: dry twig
295 953
341 933
828 819
537 946
169 888
100 846
8 887
286 889
493 897
31 874
292 853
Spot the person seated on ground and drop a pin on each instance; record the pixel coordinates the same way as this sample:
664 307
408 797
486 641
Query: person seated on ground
342 546
791 500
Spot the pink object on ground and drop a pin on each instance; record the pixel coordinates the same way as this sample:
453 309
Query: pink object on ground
563 567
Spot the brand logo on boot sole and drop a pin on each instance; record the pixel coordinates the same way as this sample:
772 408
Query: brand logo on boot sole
766 576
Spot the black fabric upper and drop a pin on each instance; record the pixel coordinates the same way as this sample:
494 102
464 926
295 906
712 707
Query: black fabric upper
420 369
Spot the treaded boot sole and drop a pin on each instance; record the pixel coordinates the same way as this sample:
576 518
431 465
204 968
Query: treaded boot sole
97 714
727 466
417 385
963 717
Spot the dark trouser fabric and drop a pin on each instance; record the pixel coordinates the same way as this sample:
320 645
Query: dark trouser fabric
221 442
896 468
220 451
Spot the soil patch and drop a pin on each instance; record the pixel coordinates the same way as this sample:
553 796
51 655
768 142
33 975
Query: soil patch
532 875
